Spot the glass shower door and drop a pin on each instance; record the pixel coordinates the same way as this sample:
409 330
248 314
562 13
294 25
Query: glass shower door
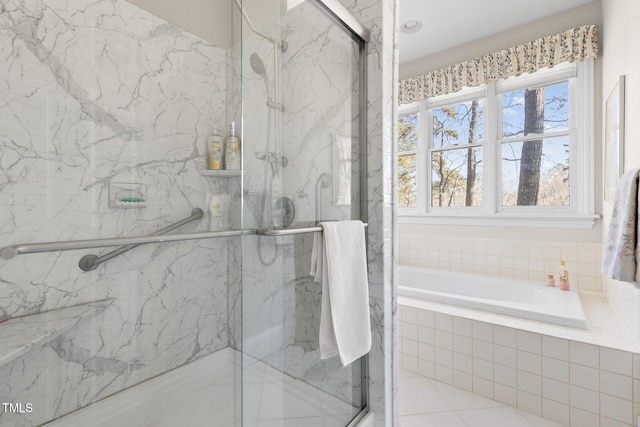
302 108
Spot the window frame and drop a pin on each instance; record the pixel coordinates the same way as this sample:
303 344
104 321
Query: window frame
464 95
418 152
580 212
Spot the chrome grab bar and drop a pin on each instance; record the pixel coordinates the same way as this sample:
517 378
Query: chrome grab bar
10 252
91 262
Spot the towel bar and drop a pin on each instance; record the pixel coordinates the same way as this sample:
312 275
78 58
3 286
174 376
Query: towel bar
289 231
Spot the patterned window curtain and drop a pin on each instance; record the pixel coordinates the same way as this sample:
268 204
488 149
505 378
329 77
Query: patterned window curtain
572 45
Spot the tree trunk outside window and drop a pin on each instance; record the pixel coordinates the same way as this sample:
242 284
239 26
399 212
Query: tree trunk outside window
531 158
472 163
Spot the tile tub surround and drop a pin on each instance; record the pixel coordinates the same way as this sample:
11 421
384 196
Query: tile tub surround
566 381
95 93
516 259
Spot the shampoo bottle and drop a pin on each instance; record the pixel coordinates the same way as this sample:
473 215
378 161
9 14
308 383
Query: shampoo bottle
214 151
232 146
217 212
564 276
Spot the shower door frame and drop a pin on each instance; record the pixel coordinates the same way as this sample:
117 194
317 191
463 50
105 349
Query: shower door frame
361 35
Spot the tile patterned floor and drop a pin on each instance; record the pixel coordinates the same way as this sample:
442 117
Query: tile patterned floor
428 403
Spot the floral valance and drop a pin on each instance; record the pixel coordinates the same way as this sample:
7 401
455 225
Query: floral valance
576 44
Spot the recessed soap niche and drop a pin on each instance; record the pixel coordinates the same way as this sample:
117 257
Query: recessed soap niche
124 195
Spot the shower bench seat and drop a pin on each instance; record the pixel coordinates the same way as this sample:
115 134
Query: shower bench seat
19 335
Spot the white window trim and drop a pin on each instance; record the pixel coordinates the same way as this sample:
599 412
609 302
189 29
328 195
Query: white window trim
582 157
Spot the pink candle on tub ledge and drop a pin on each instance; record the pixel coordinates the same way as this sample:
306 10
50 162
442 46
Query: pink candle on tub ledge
551 281
564 285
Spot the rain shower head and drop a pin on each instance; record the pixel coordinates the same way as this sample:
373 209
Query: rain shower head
257 64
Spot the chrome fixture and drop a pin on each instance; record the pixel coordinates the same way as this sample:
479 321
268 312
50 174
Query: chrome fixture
10 252
278 42
257 64
272 157
324 181
91 262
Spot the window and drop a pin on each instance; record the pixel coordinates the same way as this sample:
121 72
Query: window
455 154
407 151
517 151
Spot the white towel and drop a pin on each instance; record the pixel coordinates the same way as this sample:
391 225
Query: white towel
339 262
621 257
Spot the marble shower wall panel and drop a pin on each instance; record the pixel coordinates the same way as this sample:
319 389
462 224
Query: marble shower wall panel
235 187
261 281
259 128
265 300
321 102
95 93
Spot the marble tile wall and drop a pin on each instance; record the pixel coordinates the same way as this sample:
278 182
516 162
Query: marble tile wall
95 93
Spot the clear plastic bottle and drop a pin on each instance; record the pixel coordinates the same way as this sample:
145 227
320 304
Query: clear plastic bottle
564 276
232 147
214 151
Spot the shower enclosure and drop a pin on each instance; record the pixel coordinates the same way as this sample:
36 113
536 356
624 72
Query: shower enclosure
121 302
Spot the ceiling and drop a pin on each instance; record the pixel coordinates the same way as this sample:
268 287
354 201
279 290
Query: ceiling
447 23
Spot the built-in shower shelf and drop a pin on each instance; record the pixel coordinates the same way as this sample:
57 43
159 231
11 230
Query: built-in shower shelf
220 173
20 335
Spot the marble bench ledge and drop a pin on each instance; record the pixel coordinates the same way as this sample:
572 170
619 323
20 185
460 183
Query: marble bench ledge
19 335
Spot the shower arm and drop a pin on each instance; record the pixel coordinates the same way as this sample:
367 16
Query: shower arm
280 43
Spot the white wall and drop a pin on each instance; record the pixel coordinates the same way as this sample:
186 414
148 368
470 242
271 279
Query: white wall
619 54
583 15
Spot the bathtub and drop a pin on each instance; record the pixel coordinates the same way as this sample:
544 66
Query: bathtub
519 298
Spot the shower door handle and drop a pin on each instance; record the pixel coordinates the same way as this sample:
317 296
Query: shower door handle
290 231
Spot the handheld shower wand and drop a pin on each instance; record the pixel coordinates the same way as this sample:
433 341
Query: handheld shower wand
257 64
